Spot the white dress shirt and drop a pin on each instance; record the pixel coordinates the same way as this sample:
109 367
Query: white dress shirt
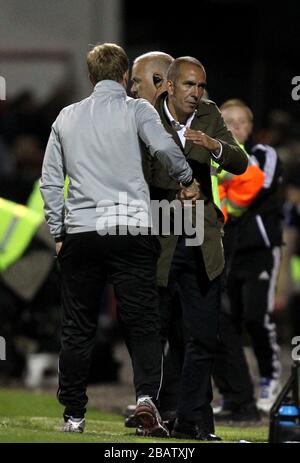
181 128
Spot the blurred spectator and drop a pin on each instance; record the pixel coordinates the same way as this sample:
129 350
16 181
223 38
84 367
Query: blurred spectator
252 241
288 294
20 117
282 132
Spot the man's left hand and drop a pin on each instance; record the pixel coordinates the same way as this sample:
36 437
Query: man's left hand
200 138
58 247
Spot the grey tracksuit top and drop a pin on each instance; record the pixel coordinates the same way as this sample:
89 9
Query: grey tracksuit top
96 143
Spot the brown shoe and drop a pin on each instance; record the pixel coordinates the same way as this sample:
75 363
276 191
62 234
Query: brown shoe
149 419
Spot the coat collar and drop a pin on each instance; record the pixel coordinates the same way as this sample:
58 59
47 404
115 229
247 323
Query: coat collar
198 123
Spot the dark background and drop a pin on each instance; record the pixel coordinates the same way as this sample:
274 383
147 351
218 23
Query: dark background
250 49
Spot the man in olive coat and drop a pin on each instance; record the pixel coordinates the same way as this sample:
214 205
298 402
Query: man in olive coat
198 128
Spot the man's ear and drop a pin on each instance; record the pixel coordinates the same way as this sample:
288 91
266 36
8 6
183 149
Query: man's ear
157 80
170 87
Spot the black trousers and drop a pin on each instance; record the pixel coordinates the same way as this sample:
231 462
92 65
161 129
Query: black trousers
251 284
200 301
231 373
173 335
87 260
251 289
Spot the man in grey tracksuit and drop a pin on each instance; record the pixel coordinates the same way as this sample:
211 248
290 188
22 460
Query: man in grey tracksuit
96 143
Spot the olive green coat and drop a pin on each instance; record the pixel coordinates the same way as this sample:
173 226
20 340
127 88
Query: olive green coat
208 119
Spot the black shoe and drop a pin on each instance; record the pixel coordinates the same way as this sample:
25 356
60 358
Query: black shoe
208 419
190 430
168 417
149 420
131 422
246 412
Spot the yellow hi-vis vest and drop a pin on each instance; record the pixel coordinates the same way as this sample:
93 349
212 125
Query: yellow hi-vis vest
35 201
295 270
18 225
214 183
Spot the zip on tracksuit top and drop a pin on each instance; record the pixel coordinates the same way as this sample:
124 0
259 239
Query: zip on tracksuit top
96 143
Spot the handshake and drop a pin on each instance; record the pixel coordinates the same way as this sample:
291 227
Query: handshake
191 192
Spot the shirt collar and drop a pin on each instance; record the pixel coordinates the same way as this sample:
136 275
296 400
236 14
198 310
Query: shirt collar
110 85
175 124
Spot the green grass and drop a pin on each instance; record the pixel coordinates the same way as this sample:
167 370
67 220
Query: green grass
32 417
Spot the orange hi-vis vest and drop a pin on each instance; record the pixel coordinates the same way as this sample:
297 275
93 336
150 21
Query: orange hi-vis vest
238 191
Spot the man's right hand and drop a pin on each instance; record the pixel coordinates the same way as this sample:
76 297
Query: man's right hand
191 192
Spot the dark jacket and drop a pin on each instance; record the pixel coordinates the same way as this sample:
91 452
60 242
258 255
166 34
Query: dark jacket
209 120
261 225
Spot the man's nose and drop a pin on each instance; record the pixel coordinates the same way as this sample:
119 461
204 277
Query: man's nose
195 92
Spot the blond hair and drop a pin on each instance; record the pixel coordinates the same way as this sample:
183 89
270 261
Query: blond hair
107 61
240 103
